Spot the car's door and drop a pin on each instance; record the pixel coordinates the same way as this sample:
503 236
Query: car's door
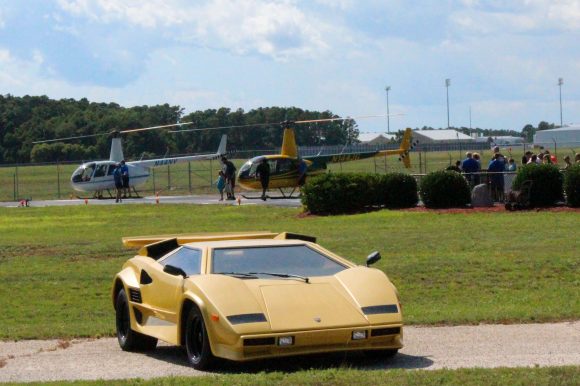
161 290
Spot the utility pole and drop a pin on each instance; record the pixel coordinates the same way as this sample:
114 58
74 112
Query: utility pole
447 84
387 89
470 129
560 83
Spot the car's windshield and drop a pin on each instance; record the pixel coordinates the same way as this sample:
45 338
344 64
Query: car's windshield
294 260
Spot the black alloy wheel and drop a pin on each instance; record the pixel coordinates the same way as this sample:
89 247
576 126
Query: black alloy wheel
129 340
196 341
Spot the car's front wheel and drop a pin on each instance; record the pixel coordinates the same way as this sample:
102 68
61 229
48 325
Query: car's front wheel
196 341
129 340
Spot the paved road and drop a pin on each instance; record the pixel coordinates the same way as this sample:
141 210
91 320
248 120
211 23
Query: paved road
550 344
198 199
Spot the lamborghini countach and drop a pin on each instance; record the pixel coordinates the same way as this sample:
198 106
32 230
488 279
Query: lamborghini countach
248 296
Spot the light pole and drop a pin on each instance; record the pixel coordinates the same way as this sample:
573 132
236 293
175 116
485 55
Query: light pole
447 84
560 83
387 89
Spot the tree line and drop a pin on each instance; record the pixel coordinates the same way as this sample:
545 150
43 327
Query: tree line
24 120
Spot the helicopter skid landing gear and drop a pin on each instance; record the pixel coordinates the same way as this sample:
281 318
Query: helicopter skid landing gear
283 196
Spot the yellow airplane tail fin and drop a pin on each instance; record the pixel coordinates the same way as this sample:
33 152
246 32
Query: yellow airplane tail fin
289 147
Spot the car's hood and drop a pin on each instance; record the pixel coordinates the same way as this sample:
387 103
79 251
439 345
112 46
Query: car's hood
315 305
325 302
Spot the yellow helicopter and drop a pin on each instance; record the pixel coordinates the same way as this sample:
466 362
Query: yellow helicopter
285 167
288 169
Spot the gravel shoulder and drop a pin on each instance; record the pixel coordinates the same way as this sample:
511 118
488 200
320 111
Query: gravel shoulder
549 344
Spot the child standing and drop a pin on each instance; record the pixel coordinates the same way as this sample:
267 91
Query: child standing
221 184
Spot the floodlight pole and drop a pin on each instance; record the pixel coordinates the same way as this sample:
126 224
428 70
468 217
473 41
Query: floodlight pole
447 84
387 89
560 83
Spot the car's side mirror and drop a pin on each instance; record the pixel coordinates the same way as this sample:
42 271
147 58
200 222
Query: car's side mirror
373 258
175 271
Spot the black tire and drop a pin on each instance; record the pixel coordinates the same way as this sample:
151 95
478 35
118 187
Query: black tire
197 344
129 340
381 354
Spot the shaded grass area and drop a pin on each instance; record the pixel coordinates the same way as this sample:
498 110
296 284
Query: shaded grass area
568 375
57 263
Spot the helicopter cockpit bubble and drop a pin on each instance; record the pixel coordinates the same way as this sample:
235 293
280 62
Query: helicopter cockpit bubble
83 173
249 168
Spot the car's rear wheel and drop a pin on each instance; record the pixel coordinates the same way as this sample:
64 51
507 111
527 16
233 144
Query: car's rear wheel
129 340
196 341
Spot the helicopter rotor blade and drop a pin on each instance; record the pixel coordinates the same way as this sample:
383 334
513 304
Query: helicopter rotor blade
222 127
70 138
154 127
346 118
114 132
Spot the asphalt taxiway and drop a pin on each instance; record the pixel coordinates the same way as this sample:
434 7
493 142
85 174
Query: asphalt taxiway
160 200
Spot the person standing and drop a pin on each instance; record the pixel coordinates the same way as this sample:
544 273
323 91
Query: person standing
302 169
221 184
230 173
567 163
125 178
117 176
263 172
496 168
469 167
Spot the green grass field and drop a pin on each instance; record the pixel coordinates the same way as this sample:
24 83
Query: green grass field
465 377
52 181
57 263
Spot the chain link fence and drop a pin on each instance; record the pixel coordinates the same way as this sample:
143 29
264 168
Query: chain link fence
52 180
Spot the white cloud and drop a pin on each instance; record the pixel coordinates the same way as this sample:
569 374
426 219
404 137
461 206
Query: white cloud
278 29
519 16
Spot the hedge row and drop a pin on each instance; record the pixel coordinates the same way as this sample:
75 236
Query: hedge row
334 193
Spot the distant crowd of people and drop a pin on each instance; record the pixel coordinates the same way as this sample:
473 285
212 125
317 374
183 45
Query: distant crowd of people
471 167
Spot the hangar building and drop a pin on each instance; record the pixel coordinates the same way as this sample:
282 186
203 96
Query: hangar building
441 136
568 136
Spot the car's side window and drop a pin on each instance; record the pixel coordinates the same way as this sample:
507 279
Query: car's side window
186 258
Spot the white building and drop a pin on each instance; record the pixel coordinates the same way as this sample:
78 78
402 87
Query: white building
441 136
375 138
507 140
568 136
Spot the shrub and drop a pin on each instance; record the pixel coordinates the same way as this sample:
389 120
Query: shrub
572 186
334 193
337 193
397 190
546 187
445 189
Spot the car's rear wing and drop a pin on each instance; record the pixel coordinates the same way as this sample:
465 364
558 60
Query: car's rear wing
157 246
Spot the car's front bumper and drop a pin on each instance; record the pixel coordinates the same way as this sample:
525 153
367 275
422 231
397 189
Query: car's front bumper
258 346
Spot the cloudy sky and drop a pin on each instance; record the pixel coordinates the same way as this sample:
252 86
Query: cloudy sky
504 58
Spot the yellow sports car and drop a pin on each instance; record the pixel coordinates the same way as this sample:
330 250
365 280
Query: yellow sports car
253 295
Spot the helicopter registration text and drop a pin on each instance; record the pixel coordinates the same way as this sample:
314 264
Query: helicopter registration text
345 157
163 162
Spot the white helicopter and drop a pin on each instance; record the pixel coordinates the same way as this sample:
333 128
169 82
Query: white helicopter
97 176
